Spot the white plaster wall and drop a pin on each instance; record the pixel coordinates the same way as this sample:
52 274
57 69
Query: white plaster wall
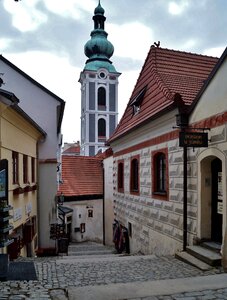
46 203
93 226
108 200
40 106
214 99
153 129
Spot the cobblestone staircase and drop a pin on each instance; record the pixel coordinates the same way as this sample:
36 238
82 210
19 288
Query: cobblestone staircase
204 256
89 249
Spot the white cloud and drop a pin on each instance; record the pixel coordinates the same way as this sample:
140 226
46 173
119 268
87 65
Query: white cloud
125 45
25 16
216 52
4 43
127 82
177 8
190 44
70 8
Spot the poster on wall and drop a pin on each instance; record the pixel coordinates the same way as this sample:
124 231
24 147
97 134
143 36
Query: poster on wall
4 179
3 183
220 194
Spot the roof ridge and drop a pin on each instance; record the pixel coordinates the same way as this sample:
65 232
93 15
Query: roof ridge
184 52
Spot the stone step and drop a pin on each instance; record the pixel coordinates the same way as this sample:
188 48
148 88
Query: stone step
192 260
90 256
90 252
212 246
210 257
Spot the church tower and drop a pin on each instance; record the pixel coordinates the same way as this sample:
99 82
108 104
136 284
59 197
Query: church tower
99 89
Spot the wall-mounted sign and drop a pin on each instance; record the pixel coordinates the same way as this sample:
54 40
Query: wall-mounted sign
17 214
220 193
193 139
4 179
220 208
28 208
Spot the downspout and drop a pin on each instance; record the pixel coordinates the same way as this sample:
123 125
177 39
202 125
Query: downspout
103 198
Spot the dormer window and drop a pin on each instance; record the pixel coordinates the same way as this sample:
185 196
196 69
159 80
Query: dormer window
136 102
136 109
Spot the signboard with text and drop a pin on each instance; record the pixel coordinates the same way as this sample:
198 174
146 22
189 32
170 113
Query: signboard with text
193 139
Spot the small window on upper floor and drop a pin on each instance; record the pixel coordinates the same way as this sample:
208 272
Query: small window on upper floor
120 176
33 169
134 175
15 162
160 174
102 98
25 168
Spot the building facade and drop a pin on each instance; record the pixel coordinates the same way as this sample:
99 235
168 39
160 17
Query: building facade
82 191
19 136
99 90
46 109
148 160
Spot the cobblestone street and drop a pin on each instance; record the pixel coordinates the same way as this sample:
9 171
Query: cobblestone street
58 274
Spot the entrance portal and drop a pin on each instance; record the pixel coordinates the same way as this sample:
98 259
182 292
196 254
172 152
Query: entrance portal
211 199
216 201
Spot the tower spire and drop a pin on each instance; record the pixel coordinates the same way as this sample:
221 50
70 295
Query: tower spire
98 49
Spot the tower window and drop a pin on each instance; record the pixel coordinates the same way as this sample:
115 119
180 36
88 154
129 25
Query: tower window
101 130
101 98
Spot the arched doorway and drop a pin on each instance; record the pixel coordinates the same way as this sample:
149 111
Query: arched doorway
211 198
216 200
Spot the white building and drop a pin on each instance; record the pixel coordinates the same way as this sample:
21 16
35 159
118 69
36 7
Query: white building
46 109
99 90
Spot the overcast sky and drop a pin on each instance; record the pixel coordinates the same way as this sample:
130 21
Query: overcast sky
46 38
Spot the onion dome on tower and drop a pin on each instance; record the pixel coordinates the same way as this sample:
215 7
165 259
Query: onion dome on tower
98 49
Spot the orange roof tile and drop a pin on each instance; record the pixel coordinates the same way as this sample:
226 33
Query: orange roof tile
81 175
165 73
72 150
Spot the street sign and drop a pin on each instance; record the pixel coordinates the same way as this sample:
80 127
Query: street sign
193 139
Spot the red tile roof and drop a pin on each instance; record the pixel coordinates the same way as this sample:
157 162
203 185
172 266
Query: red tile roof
81 175
73 150
165 73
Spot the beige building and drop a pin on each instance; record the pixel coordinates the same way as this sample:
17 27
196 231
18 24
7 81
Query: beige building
19 136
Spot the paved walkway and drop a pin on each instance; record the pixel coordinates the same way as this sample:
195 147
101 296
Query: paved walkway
131 277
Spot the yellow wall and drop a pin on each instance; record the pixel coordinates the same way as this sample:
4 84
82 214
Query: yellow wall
17 134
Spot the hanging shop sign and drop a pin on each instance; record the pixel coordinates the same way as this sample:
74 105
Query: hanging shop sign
193 139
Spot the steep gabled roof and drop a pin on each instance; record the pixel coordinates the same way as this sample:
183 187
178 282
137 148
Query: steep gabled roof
165 74
81 175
